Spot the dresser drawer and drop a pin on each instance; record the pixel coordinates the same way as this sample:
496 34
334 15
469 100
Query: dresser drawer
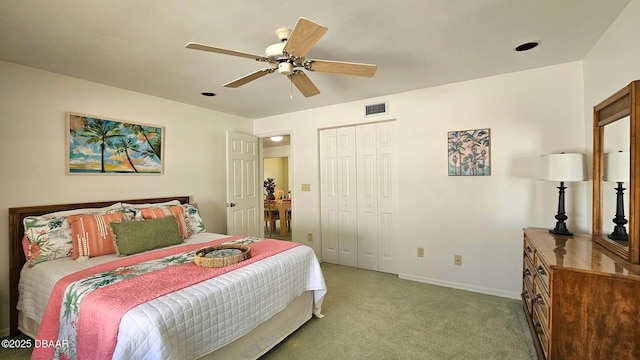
542 331
528 249
528 295
528 270
542 271
541 301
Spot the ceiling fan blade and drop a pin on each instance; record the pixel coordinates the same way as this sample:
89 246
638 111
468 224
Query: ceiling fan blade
304 35
247 78
203 47
303 83
339 67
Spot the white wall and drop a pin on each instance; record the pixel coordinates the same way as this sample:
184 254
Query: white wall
481 218
33 104
611 65
614 61
277 168
283 151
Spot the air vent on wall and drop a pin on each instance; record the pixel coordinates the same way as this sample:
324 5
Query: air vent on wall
376 109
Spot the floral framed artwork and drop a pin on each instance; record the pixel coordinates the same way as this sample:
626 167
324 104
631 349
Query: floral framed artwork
469 152
97 145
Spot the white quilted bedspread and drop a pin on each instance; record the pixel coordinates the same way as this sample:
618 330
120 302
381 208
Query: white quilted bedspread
199 319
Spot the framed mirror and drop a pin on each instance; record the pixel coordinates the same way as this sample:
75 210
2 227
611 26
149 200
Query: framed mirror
615 125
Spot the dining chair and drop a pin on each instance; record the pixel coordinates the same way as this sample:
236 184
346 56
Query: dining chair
279 194
271 215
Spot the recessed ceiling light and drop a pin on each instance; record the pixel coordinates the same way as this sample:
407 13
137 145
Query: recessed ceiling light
208 94
527 46
276 138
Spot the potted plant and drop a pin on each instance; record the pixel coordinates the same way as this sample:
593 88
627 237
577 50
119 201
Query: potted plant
270 187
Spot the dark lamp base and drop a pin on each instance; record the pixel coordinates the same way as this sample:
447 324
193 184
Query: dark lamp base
561 232
561 217
619 236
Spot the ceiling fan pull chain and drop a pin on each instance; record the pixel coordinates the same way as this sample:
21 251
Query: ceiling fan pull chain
290 90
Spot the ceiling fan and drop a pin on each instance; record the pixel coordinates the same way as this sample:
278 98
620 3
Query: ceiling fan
288 56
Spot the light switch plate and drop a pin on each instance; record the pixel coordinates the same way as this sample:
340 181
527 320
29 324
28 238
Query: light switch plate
306 187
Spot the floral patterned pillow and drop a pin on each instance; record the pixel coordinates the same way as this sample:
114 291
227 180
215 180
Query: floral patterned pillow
49 238
194 220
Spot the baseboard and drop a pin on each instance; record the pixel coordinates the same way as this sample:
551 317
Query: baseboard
477 289
4 332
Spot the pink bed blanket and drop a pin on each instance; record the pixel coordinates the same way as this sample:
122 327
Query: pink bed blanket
102 309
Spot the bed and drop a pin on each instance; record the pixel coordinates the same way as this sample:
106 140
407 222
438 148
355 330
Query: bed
171 319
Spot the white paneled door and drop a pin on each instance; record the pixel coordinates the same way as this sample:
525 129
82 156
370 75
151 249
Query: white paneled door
387 190
329 196
243 193
359 196
347 202
338 196
367 178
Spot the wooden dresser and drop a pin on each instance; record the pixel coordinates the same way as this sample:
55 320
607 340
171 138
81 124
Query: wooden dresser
582 301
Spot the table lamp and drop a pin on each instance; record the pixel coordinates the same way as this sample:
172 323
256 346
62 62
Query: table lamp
616 168
562 167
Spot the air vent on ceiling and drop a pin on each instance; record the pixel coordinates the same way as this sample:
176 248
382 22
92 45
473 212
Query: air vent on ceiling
376 109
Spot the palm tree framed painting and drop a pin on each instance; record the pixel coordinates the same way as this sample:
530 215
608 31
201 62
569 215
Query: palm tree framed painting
469 152
104 146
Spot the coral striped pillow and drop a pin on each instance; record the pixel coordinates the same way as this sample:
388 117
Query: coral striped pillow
160 212
92 235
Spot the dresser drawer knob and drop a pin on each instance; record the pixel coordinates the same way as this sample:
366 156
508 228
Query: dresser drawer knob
526 272
541 270
525 294
539 328
529 249
539 299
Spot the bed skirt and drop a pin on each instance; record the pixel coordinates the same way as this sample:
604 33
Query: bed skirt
252 345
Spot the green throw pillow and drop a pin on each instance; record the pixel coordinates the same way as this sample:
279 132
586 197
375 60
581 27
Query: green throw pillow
132 237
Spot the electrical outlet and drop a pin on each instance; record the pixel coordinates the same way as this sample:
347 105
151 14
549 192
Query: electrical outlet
420 252
310 236
306 187
457 260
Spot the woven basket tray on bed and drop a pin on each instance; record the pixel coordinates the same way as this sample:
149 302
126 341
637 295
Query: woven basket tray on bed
221 255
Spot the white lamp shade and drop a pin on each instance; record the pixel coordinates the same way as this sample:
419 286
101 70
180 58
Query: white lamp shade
563 167
616 166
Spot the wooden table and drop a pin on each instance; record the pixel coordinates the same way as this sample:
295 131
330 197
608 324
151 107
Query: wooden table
283 206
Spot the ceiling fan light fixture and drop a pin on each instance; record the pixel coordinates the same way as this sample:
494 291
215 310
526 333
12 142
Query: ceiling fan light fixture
274 51
283 34
285 68
276 138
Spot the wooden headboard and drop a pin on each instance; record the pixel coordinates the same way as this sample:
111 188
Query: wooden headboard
16 232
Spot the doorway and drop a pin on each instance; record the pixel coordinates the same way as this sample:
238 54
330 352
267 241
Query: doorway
276 152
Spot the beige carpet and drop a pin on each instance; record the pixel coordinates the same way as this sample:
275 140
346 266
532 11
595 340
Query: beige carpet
372 315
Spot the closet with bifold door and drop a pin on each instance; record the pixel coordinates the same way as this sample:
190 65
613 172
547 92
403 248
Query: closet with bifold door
358 195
